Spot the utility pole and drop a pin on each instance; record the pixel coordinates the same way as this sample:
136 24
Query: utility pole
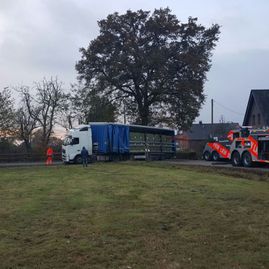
212 113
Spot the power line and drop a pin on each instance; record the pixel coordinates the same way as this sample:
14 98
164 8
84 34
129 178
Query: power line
228 108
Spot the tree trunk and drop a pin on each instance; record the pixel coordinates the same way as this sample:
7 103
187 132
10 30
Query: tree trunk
144 116
28 147
144 120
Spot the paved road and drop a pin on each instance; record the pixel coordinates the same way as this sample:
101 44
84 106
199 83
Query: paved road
221 164
183 162
201 163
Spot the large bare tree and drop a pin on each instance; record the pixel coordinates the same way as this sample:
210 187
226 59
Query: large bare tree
25 121
69 114
44 105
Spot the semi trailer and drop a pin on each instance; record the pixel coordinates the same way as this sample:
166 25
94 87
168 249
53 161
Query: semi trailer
112 141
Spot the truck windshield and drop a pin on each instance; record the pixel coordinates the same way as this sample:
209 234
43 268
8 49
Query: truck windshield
67 140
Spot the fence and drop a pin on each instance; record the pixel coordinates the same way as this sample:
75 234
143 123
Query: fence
24 157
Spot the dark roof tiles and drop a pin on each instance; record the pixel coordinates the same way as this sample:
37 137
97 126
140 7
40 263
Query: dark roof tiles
203 131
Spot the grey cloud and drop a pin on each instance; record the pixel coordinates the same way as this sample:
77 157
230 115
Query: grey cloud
230 80
42 38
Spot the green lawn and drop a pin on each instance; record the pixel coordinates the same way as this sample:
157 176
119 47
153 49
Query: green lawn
124 215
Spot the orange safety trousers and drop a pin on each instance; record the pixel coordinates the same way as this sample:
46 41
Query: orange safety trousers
49 156
49 160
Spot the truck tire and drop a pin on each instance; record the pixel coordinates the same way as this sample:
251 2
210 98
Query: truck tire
215 156
78 159
236 160
207 156
247 159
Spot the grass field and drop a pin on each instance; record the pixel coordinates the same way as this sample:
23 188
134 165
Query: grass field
129 216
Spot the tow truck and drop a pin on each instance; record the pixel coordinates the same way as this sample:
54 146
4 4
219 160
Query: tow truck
217 149
243 147
252 146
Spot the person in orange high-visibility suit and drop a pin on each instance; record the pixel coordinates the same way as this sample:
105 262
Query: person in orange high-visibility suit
49 156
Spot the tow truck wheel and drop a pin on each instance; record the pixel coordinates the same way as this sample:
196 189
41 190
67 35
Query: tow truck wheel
215 156
78 160
247 159
207 156
236 160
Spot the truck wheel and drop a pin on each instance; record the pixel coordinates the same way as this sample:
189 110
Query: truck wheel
247 159
207 156
236 160
78 159
215 156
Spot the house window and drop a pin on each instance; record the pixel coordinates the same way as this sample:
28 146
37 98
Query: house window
259 119
253 119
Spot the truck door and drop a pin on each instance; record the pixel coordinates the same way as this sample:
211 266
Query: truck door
76 147
263 150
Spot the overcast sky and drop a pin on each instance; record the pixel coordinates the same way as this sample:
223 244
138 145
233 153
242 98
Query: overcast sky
41 38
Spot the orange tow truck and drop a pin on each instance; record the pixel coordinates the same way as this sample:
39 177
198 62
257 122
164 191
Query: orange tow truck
243 147
216 149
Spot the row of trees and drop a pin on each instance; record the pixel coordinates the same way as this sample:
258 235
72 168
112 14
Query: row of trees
45 105
148 66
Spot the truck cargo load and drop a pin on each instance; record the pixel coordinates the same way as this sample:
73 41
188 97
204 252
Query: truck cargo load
110 138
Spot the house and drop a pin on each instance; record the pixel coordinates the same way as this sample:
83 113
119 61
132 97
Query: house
257 112
196 138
